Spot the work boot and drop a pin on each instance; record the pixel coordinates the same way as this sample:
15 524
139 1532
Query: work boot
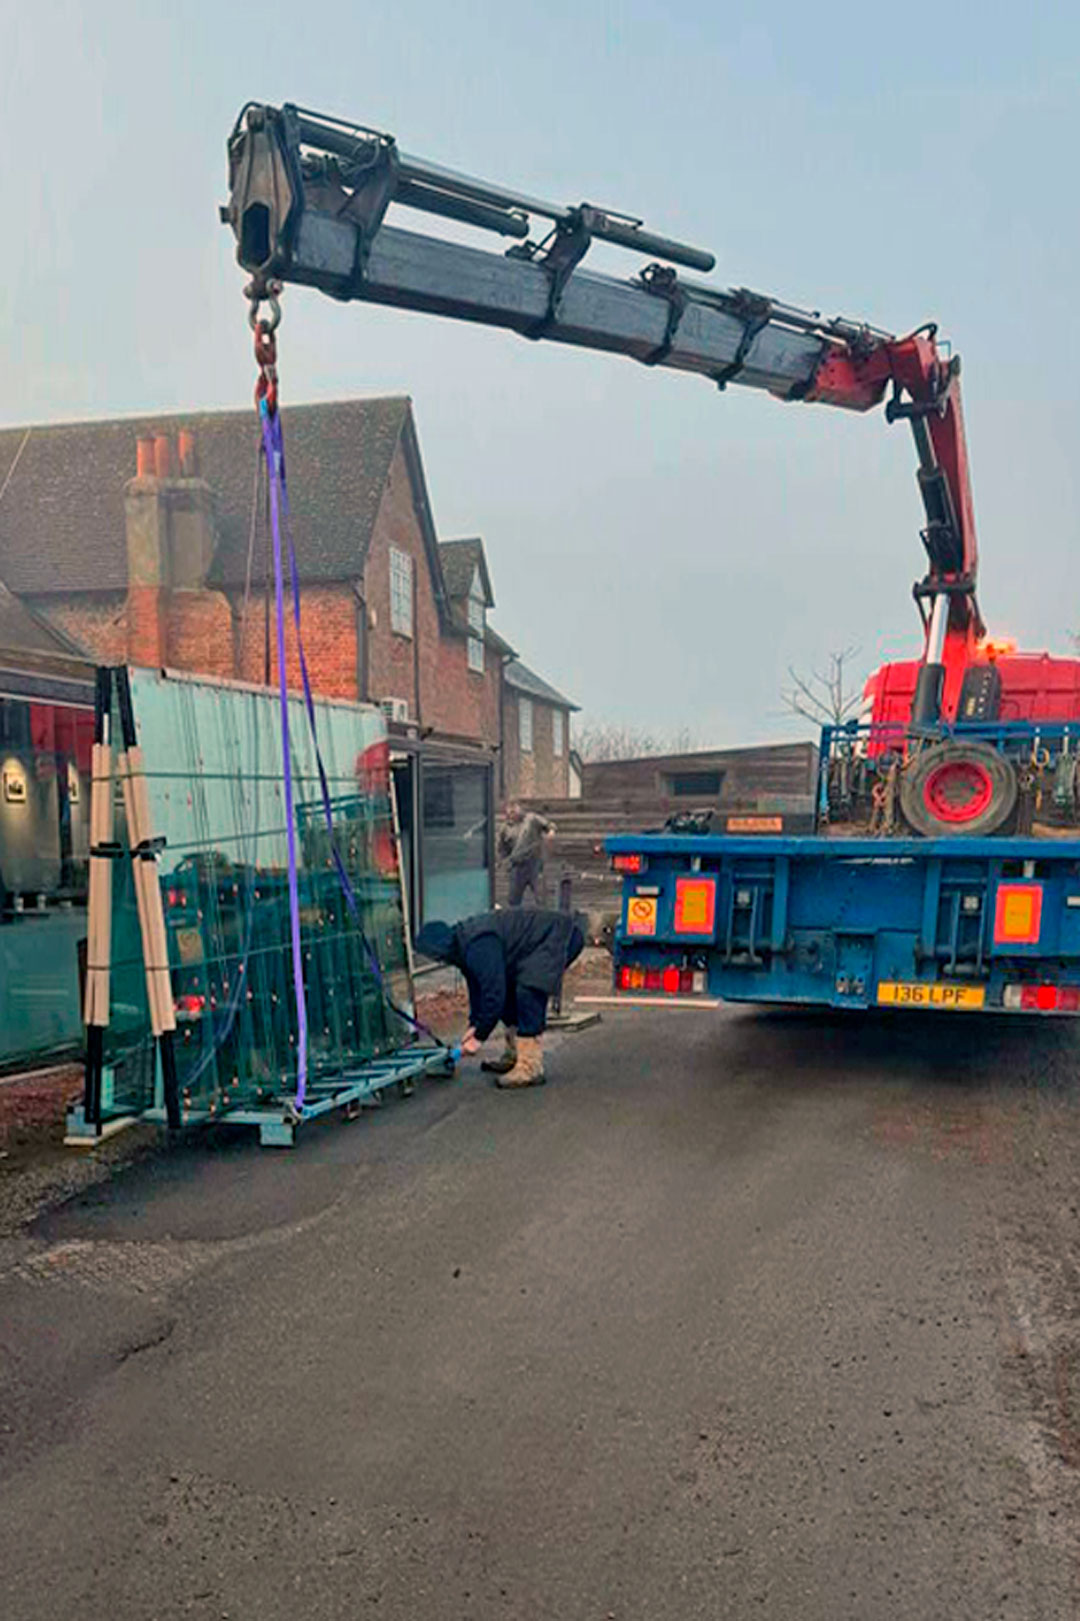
529 1069
507 1058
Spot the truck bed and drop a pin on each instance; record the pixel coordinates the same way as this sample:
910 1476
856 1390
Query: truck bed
970 924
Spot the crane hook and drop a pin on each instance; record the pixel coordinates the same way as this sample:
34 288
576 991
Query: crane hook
257 293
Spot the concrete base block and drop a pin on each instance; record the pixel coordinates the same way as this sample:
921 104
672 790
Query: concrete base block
571 1023
80 1134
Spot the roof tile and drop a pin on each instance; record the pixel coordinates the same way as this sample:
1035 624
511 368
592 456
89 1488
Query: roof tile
62 516
524 680
21 628
459 559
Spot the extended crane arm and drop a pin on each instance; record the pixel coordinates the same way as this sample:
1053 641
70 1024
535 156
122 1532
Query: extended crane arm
309 202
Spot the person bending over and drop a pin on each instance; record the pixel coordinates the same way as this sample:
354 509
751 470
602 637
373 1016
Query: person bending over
513 962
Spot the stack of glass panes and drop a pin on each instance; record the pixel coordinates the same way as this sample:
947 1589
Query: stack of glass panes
212 760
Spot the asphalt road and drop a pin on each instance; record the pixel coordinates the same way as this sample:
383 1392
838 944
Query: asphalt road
738 1316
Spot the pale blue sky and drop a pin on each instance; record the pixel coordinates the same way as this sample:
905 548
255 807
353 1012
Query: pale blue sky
658 550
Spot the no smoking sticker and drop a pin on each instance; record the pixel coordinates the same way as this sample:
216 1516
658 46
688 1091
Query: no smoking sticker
641 914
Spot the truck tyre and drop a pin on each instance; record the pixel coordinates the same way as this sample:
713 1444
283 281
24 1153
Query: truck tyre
958 790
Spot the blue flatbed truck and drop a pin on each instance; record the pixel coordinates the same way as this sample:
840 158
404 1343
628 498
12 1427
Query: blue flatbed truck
843 918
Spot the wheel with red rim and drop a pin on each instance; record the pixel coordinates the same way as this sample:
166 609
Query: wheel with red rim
958 789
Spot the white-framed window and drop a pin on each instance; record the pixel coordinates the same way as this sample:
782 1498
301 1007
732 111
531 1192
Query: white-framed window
525 720
477 623
557 733
401 592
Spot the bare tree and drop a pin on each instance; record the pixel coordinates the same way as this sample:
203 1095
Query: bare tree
614 740
825 696
684 741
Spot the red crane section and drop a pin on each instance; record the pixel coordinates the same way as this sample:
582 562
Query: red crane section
925 392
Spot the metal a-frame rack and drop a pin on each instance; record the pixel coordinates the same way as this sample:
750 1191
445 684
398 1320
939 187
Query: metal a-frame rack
121 770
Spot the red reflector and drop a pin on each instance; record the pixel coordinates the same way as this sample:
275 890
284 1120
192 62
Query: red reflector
671 981
654 979
635 863
190 1006
1068 999
1018 914
624 979
686 980
1046 998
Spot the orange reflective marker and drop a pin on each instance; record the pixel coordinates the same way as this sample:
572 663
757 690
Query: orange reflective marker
695 905
1018 914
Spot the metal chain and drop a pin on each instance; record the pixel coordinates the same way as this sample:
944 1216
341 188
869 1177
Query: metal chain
265 328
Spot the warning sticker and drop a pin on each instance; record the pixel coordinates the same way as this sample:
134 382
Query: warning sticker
641 914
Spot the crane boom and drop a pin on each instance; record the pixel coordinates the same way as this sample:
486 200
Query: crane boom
309 203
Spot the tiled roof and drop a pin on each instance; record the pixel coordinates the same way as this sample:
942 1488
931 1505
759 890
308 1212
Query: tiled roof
498 643
523 680
459 560
457 624
22 629
62 516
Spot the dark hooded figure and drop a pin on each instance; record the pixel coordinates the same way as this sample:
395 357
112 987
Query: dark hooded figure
512 962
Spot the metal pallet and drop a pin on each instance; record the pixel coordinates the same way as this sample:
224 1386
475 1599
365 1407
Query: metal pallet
278 1122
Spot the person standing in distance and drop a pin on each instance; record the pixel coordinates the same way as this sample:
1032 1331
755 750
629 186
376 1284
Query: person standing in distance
521 845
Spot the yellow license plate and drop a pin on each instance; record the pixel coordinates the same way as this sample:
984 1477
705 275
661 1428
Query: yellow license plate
899 993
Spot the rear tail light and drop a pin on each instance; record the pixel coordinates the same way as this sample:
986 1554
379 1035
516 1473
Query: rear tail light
628 863
190 1007
1042 998
672 980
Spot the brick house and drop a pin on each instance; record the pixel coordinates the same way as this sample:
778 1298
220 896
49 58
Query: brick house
134 543
535 754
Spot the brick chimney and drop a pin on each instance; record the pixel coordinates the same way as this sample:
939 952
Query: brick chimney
146 523
169 516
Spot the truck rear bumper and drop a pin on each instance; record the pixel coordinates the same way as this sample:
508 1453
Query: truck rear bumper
950 925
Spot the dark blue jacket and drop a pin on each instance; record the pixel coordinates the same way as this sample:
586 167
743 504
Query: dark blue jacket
499 952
